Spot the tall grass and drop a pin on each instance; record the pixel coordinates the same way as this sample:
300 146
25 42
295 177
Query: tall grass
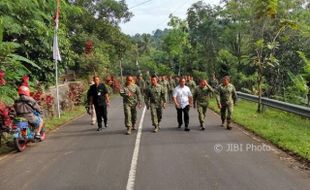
287 131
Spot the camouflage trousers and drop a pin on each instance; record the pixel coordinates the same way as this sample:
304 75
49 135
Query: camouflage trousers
228 107
130 115
156 114
202 112
170 96
167 95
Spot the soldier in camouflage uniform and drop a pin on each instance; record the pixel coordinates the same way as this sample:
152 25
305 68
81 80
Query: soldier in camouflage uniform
131 99
166 85
172 86
226 99
160 80
201 98
191 83
141 83
213 81
147 81
155 99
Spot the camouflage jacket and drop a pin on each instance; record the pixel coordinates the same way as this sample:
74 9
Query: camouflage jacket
201 96
155 95
141 84
226 94
213 83
165 85
172 84
131 94
191 84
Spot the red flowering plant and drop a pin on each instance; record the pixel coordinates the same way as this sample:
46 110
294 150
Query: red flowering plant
73 97
37 95
5 118
49 102
5 121
46 101
75 93
89 45
2 81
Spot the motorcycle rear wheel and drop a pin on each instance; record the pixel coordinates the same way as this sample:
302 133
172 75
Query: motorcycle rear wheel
20 144
43 134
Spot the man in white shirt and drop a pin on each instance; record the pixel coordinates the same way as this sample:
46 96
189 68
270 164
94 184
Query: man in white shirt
183 100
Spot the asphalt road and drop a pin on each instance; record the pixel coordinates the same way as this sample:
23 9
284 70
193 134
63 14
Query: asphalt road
76 156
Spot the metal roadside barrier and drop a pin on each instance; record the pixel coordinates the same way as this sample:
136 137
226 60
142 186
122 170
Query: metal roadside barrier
292 108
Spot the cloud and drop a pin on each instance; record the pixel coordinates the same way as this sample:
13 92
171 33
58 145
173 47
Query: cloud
155 14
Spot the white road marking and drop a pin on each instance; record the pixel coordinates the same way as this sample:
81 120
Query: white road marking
134 161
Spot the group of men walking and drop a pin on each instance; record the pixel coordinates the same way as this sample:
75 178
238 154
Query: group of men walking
159 91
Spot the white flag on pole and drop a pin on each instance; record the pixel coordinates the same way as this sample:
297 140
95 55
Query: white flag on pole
56 53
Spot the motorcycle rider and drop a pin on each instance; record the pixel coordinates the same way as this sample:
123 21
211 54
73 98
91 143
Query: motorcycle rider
29 109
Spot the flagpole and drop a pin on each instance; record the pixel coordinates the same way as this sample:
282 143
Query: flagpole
57 88
56 54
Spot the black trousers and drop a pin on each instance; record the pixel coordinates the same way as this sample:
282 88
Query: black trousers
184 111
101 113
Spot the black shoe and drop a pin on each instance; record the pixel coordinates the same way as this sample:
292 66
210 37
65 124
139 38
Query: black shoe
187 129
99 129
179 126
223 123
202 128
37 136
133 127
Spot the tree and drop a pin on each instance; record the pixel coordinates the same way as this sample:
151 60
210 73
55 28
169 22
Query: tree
266 38
176 43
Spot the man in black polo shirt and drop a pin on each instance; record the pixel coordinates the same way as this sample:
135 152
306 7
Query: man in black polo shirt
98 95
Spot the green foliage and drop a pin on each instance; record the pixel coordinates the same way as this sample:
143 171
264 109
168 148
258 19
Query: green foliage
306 72
257 50
1 29
266 8
94 64
296 92
287 131
226 62
200 75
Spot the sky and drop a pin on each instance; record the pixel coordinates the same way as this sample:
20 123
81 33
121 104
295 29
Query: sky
150 15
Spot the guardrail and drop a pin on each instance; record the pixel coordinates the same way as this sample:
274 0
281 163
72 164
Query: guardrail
292 108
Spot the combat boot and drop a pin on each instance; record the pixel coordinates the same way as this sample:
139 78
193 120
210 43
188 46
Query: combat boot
128 130
223 123
202 127
133 126
228 127
156 129
99 127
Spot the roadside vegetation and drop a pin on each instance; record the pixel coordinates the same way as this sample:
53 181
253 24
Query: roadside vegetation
287 131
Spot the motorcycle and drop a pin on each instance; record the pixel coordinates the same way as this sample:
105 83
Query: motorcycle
21 131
